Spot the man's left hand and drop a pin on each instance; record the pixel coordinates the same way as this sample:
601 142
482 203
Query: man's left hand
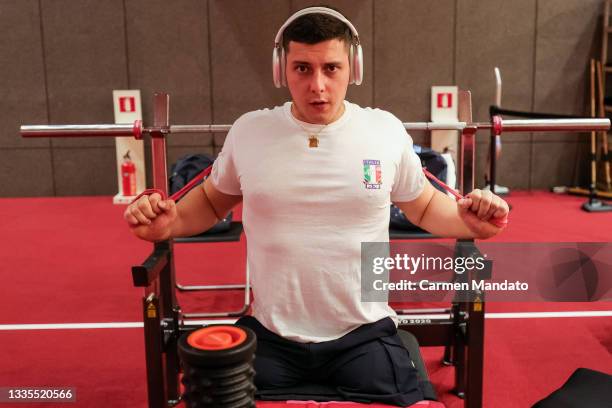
481 212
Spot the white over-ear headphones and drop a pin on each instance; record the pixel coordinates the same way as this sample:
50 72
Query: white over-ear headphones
278 54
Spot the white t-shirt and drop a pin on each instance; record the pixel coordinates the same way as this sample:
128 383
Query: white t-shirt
306 212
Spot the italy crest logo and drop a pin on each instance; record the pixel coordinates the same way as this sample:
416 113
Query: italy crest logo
372 174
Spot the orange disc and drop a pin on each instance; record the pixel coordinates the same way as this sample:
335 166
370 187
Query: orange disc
216 338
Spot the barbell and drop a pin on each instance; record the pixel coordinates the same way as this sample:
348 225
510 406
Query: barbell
137 129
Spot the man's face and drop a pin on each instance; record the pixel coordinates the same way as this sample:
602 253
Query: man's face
317 78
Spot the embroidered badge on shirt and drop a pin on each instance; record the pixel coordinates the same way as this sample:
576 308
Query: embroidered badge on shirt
372 174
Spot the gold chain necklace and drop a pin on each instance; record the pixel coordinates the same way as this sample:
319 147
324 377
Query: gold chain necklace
313 139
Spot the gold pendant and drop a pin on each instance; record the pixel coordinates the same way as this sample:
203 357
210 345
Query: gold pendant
313 141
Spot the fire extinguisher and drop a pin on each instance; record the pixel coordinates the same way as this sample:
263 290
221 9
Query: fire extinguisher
128 176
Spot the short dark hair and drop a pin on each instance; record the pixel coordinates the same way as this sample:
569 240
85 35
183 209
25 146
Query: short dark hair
315 28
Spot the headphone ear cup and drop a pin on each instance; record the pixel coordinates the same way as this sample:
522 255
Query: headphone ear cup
351 64
357 60
276 68
283 67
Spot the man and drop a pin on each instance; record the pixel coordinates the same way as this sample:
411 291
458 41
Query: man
316 177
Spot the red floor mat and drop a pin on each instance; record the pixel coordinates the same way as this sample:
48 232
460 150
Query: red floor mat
68 260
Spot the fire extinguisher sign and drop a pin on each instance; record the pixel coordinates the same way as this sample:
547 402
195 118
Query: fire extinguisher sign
127 104
129 151
445 100
443 103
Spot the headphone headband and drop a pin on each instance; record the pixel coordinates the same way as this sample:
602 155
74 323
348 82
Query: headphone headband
315 10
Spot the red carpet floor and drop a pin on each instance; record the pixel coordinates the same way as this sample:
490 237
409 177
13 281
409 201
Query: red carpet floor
67 260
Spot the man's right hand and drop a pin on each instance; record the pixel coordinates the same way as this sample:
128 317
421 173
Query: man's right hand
150 218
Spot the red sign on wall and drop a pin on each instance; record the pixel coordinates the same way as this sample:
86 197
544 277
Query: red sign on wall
127 104
445 100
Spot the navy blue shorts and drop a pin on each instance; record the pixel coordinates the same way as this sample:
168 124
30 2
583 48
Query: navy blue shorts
369 364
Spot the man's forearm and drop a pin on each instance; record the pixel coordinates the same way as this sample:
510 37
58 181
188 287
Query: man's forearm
441 217
195 214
